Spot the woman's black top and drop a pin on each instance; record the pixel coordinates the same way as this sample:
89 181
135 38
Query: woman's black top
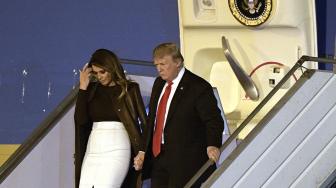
100 107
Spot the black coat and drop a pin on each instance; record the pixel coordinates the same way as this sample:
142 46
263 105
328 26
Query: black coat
193 122
130 110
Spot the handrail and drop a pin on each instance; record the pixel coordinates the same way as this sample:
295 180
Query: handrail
245 81
42 130
45 126
232 137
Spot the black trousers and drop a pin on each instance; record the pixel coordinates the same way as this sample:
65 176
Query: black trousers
162 177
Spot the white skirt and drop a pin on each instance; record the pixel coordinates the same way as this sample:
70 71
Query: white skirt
107 156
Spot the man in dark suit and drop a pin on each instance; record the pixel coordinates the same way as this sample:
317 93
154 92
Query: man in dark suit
185 121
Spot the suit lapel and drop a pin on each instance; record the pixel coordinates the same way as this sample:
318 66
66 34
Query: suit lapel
178 95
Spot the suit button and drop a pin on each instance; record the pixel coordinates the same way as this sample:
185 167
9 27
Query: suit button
119 109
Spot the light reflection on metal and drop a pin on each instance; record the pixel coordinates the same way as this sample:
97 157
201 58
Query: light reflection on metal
49 93
49 90
24 75
74 77
245 81
126 74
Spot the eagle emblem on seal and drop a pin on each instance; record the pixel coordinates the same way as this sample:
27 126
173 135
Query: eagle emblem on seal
251 12
252 6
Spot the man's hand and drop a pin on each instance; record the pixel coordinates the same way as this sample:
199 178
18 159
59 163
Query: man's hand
138 160
213 153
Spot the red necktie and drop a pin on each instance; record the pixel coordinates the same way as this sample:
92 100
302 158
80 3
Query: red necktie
160 117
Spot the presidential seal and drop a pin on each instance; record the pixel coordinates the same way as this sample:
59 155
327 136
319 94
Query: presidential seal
251 12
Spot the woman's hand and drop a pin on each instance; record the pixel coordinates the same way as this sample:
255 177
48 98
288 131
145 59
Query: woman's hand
138 160
84 77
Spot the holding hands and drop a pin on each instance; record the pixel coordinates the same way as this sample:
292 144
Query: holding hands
84 77
138 160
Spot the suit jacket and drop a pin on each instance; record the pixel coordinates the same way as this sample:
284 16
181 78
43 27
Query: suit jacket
130 110
193 122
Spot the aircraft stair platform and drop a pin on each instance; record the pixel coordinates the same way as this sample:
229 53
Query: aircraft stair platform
294 145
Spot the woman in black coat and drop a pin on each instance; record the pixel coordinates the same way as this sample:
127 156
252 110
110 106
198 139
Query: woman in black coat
110 122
